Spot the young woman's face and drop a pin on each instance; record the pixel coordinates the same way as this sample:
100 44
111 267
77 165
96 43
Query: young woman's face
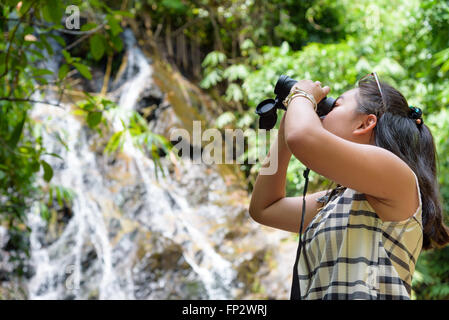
343 120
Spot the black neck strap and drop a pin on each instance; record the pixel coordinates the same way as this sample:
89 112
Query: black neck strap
296 291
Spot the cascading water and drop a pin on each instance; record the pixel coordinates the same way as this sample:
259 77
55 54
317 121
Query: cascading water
120 231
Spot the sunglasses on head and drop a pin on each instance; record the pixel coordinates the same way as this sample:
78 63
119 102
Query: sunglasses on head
376 78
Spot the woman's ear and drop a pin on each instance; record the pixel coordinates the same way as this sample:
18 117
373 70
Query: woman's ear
367 124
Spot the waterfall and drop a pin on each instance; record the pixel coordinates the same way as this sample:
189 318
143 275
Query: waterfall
120 227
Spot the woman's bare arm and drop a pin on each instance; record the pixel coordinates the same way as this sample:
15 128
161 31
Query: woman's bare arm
285 214
269 205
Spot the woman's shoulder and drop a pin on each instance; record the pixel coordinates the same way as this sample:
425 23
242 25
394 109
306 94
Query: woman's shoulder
407 203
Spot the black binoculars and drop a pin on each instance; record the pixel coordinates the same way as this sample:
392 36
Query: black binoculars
268 107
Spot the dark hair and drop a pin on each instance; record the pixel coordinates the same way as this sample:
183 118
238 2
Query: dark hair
397 132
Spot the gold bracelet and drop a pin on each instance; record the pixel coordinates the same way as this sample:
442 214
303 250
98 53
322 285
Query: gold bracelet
296 92
315 107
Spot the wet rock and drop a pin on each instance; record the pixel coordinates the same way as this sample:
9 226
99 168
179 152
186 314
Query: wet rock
251 270
114 227
150 102
88 259
161 272
13 290
50 231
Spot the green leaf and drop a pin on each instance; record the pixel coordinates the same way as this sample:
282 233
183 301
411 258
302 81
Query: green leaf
67 56
48 171
53 11
68 194
84 70
94 118
59 196
117 43
58 39
25 6
123 13
17 132
2 175
57 135
26 150
97 44
54 155
63 70
247 44
114 142
96 4
41 72
87 105
47 45
2 64
114 25
50 196
88 26
89 97
176 5
211 79
224 119
246 120
39 45
35 166
108 104
35 52
441 57
41 80
45 213
213 59
234 93
236 71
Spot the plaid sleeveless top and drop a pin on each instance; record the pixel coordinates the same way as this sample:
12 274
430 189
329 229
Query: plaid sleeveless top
350 253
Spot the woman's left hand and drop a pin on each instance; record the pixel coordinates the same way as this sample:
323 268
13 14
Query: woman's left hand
312 87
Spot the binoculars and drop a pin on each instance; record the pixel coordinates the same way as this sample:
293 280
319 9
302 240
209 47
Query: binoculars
267 109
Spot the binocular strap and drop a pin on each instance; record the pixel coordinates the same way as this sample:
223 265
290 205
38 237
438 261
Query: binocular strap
295 293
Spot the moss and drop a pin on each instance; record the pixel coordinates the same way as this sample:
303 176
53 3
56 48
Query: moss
93 294
194 289
178 96
249 271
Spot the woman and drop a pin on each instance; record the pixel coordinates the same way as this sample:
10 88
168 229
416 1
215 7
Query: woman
363 243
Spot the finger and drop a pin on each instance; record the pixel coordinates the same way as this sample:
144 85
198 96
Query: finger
326 90
318 83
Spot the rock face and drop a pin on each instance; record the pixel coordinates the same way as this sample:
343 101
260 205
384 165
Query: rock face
129 234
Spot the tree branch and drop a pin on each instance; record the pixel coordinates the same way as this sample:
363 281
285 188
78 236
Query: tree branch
16 76
12 35
28 100
86 35
107 75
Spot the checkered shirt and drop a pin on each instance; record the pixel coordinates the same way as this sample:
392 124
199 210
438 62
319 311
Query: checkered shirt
350 253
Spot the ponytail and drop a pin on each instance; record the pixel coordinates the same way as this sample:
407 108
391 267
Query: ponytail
398 131
436 233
